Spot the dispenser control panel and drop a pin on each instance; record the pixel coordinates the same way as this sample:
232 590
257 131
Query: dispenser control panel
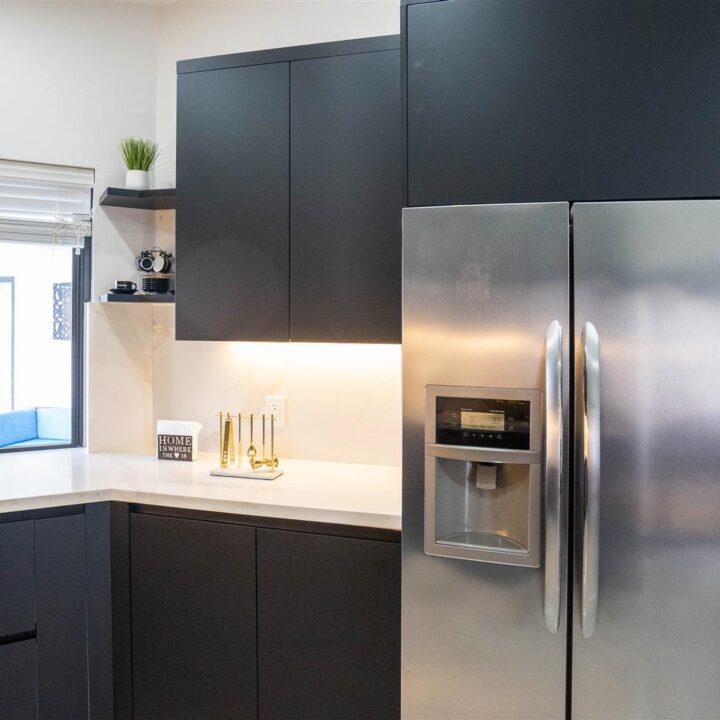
482 422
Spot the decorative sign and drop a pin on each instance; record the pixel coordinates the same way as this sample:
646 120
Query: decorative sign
175 447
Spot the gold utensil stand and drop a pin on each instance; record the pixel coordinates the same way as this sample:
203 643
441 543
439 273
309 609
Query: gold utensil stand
253 464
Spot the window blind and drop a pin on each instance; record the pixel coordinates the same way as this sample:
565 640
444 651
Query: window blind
45 203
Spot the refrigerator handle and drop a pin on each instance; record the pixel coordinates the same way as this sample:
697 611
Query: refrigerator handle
590 515
553 467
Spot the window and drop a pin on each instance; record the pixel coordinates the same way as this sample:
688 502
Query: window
7 343
45 229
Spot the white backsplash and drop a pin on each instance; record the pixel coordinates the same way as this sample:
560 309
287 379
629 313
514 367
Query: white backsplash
343 400
119 378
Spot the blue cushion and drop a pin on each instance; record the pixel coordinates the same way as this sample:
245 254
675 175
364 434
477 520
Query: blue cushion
54 423
17 426
37 442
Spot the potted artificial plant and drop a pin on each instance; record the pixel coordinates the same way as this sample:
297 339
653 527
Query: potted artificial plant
139 156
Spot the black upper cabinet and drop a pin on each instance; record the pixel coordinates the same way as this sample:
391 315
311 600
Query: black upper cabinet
346 196
194 641
289 194
232 204
542 100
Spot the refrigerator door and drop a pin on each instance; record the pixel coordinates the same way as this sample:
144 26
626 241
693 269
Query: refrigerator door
485 325
646 635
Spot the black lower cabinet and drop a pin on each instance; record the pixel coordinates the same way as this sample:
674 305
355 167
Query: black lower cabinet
18 686
117 612
17 578
43 617
18 678
61 597
328 627
194 641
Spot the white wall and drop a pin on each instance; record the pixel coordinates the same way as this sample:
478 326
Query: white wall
74 79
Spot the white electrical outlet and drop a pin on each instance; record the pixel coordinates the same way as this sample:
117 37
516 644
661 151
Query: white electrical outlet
275 405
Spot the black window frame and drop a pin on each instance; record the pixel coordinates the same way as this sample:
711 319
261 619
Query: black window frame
10 280
81 288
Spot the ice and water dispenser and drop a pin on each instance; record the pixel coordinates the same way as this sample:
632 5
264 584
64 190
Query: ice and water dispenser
483 475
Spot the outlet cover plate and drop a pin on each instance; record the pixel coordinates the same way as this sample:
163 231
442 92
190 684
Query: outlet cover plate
275 405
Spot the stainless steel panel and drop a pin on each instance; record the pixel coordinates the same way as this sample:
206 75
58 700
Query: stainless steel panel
480 286
647 275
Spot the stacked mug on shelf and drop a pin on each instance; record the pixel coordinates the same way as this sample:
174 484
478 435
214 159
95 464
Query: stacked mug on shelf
156 277
155 267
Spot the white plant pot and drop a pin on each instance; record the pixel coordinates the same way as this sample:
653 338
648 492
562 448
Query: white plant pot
137 180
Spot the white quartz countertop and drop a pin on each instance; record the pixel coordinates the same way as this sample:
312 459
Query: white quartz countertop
348 494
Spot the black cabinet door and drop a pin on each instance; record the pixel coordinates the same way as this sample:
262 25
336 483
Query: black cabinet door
345 198
62 647
17 578
193 619
328 627
232 204
543 100
18 690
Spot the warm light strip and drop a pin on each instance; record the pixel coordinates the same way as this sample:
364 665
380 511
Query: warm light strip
347 356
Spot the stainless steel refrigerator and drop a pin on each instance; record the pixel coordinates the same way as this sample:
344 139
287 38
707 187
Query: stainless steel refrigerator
561 449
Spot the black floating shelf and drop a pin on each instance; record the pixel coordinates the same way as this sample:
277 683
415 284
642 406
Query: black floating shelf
137 298
163 199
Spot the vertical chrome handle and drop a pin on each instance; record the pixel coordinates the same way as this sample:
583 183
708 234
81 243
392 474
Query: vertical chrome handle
590 516
553 474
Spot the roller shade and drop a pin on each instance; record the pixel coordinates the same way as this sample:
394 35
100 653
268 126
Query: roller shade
45 203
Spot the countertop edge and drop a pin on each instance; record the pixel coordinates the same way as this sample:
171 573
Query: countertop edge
321 512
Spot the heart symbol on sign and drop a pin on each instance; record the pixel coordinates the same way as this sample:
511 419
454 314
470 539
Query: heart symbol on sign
177 455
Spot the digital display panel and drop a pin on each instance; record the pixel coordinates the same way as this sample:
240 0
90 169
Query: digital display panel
483 422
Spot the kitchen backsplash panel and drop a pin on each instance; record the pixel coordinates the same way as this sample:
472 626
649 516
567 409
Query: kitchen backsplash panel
343 401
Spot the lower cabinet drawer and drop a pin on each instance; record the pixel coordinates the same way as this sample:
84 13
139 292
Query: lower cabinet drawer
18 683
17 577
